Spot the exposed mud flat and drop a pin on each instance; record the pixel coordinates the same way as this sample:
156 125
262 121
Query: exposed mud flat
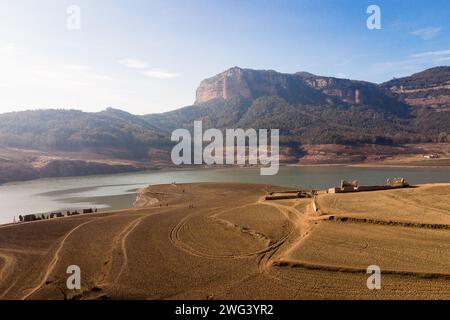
224 241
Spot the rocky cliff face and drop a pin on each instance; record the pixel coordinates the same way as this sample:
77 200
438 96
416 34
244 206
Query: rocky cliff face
346 90
429 88
252 84
226 85
301 88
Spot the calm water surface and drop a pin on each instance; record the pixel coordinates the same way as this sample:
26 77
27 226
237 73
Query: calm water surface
119 190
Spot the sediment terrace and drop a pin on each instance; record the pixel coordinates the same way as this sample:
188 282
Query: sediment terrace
224 241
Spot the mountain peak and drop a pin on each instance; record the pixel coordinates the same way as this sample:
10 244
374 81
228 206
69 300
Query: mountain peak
224 85
301 88
235 69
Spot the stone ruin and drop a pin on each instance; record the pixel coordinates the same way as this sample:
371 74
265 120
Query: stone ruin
397 182
349 186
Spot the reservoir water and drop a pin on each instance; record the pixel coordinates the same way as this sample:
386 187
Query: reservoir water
119 190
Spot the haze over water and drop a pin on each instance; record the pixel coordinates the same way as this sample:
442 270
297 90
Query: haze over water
119 191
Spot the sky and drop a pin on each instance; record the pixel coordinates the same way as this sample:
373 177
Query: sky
149 56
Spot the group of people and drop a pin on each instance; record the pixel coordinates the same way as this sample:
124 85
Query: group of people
34 217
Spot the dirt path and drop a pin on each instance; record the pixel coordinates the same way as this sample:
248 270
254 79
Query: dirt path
126 232
50 267
8 266
253 248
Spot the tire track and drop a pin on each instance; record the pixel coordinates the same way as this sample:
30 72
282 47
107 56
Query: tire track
8 267
101 280
126 232
51 266
175 237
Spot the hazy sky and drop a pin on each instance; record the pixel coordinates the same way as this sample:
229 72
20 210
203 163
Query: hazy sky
147 56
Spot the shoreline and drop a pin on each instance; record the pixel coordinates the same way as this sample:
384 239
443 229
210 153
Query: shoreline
200 167
367 165
142 200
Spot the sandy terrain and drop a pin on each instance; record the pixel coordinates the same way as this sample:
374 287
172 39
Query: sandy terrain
224 241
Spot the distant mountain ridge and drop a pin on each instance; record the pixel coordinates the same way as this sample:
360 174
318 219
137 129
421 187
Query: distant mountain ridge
429 88
298 88
71 130
312 109
308 109
252 84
